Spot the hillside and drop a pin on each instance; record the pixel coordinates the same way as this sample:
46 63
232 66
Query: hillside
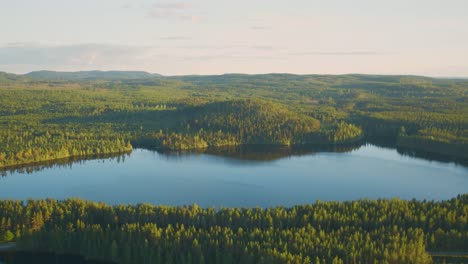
237 122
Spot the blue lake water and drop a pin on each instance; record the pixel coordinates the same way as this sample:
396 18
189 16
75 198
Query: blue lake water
215 180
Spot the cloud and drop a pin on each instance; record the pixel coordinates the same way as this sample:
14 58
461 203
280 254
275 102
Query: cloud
229 57
266 48
260 22
342 53
261 28
77 56
171 6
165 58
175 38
174 11
21 44
25 57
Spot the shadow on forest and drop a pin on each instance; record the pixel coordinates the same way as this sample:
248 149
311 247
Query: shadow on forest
27 257
149 119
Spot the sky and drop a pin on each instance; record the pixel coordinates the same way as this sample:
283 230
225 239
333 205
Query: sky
181 37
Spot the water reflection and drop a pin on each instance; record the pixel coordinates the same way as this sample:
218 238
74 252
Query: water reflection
261 153
61 163
390 143
431 156
244 155
246 176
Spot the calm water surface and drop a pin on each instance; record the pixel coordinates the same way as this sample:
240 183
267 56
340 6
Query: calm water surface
243 181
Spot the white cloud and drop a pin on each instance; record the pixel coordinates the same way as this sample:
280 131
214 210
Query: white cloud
170 59
174 11
343 53
261 27
78 56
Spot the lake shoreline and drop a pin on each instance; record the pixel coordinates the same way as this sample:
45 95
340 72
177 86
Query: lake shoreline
413 152
242 177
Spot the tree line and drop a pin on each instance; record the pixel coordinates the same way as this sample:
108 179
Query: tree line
364 231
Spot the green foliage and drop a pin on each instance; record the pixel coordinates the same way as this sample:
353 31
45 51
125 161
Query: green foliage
7 236
366 231
235 122
22 144
91 75
343 132
50 115
254 121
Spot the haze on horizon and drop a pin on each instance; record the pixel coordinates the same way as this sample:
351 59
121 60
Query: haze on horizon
213 37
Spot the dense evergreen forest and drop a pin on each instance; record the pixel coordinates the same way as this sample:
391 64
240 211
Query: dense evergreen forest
365 231
53 115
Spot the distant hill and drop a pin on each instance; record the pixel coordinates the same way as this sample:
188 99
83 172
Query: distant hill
9 78
90 75
269 80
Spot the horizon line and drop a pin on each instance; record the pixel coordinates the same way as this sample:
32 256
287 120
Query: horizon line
251 74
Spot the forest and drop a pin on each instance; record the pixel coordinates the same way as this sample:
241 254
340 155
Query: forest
364 231
50 118
54 115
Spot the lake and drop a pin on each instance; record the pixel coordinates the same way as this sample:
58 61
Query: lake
242 177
